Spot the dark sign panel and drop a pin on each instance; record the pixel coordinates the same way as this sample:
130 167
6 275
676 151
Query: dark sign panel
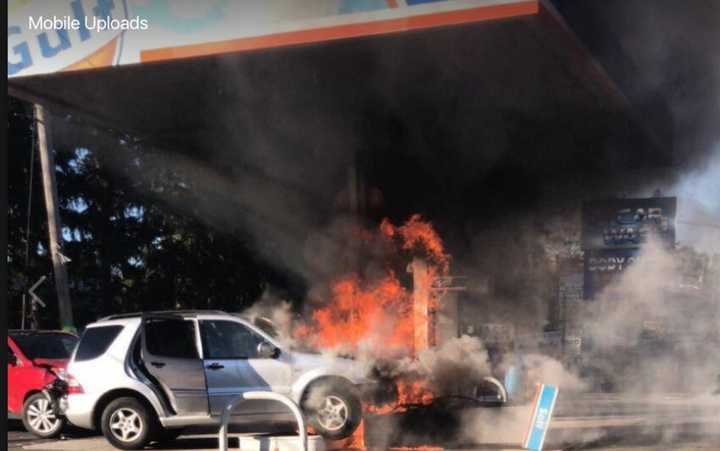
628 223
603 266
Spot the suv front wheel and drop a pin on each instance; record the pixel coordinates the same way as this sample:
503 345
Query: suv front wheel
333 409
127 424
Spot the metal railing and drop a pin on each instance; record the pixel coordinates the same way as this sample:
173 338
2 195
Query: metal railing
223 433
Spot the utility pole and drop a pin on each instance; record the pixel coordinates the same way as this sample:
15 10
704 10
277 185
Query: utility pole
47 162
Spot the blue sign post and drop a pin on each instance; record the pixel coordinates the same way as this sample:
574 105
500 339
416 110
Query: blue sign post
540 419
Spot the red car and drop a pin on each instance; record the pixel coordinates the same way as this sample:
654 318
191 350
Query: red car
35 358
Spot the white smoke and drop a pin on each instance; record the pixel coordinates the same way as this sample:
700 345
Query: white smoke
280 315
699 207
650 330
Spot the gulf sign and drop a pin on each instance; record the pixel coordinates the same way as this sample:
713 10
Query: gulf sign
540 420
41 38
50 36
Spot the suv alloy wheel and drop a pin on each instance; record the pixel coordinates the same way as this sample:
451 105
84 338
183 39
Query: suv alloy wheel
127 424
333 410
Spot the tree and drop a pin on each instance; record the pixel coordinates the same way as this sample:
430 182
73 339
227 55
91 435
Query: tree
27 228
130 249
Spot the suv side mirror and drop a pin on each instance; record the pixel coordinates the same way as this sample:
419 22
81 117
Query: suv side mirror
12 359
266 350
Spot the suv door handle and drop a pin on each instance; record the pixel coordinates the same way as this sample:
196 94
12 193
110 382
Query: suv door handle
215 366
157 364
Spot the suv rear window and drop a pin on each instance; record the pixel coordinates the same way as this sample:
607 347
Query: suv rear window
95 341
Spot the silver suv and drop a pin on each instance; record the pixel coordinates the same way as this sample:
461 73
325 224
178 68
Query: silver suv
142 377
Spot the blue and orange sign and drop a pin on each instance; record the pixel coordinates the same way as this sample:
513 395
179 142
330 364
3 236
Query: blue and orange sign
540 420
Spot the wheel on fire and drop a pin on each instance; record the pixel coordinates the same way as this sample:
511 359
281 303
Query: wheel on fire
39 418
332 408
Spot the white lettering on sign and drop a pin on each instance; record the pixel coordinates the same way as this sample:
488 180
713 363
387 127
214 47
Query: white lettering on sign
54 35
610 264
54 23
541 418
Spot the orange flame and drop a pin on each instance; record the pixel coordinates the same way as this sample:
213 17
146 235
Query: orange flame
419 234
363 312
379 313
355 441
410 392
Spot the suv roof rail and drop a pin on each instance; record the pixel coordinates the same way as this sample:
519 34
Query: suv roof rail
163 312
36 331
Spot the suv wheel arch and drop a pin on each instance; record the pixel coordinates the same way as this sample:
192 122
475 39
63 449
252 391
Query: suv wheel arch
327 379
110 396
301 387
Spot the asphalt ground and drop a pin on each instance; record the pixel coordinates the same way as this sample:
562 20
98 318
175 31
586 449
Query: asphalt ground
587 422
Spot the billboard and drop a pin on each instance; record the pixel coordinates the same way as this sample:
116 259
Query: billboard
603 266
49 36
628 223
614 230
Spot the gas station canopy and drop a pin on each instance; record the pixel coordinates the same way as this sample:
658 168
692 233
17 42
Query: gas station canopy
140 31
203 69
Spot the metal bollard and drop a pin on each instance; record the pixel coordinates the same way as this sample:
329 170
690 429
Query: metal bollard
222 434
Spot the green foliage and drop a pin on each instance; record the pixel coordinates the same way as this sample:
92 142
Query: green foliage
21 273
129 249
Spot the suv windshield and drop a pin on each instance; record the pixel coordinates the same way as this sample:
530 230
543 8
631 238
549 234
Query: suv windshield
46 346
266 325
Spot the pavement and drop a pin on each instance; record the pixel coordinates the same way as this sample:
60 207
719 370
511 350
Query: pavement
587 422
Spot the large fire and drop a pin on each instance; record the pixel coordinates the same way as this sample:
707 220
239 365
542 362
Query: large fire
381 315
417 234
362 312
365 313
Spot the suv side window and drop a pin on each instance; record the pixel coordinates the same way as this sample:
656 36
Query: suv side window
95 341
228 340
171 338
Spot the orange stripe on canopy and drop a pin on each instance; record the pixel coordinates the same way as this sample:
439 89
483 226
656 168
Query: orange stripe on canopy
344 31
102 57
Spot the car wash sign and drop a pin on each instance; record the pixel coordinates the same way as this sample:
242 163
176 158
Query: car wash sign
541 416
615 230
628 223
61 35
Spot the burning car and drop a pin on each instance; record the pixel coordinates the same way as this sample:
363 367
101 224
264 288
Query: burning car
143 377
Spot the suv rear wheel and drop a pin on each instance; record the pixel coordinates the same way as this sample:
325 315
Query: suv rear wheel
39 418
333 409
127 424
